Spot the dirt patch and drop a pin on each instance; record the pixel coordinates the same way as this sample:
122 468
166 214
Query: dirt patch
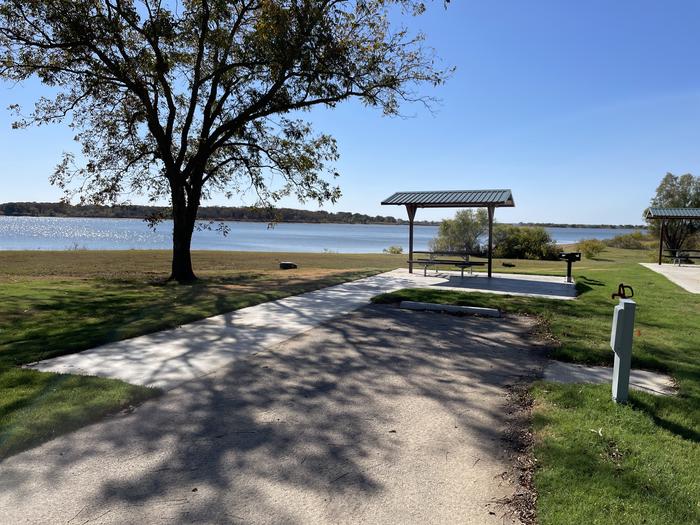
519 439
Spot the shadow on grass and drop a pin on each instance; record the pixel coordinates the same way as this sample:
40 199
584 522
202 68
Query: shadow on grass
602 462
653 410
52 319
38 406
591 282
100 312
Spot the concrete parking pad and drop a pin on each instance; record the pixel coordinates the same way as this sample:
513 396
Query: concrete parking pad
383 416
166 359
685 276
643 380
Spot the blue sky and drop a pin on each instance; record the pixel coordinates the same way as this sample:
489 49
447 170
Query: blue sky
579 107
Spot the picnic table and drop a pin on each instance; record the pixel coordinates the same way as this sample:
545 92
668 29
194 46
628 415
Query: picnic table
678 256
434 259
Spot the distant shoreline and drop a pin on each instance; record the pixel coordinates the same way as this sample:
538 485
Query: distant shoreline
243 214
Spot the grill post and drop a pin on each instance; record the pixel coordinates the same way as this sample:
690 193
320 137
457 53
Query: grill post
570 258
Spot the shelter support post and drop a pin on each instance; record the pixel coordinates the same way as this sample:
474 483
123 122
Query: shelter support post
411 210
491 210
661 240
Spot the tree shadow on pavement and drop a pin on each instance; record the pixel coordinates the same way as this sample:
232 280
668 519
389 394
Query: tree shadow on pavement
321 422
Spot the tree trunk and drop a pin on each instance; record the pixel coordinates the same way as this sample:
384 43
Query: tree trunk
184 217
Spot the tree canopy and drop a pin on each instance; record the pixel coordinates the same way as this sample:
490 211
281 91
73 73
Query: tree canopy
185 98
676 191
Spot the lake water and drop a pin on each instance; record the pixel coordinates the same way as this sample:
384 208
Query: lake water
58 233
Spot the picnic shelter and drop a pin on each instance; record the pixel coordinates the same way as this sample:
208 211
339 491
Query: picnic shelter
666 215
489 199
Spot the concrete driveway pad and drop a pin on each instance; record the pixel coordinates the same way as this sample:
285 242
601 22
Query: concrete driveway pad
167 359
384 416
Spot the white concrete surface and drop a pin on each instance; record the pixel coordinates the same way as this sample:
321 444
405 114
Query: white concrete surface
644 380
451 308
686 276
543 286
167 359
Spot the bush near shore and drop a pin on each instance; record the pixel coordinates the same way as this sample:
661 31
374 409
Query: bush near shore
524 242
590 248
631 241
464 232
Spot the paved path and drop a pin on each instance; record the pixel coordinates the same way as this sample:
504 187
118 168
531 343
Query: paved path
383 416
687 277
167 359
644 380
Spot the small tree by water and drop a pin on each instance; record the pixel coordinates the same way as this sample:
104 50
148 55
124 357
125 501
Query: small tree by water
462 233
590 248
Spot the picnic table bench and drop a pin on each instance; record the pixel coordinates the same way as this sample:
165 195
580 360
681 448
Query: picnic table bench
679 255
430 259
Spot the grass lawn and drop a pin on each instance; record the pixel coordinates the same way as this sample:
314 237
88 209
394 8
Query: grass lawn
56 303
644 464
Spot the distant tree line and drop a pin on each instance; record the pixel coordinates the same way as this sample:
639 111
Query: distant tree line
563 225
205 213
231 213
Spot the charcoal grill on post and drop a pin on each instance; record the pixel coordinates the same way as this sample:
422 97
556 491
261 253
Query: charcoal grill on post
570 258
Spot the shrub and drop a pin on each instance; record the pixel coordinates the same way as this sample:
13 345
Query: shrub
590 247
630 241
462 233
393 250
523 242
693 242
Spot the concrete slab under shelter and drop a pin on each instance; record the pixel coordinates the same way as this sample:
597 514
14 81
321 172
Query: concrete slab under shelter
687 276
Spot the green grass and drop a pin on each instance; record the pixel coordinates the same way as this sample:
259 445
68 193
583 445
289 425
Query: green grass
55 303
645 466
638 469
37 406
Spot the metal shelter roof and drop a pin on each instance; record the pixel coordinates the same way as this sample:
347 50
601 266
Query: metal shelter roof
453 199
673 213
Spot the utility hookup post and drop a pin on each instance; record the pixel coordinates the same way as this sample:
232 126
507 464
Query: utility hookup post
621 343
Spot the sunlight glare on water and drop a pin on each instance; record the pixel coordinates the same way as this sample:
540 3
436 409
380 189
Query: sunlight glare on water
59 233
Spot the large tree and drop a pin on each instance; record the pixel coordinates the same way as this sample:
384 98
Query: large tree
676 191
185 98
